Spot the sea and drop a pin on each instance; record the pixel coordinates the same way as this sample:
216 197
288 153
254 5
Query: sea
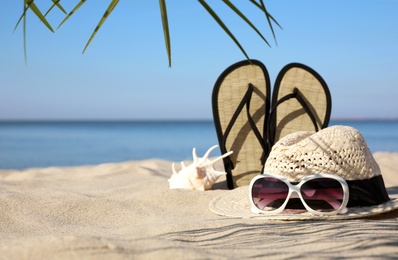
27 144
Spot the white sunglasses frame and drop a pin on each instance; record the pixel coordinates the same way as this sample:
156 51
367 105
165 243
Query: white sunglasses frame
296 188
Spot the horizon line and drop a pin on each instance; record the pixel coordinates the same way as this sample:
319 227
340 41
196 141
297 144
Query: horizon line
167 119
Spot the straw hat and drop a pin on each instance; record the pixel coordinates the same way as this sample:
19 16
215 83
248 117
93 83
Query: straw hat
338 150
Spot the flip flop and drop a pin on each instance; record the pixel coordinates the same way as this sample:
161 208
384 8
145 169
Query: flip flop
301 101
241 103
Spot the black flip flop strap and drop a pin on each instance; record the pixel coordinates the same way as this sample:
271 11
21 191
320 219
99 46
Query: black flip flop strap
253 126
245 101
296 94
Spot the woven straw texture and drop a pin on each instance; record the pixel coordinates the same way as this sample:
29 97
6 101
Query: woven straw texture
247 151
290 115
339 150
235 203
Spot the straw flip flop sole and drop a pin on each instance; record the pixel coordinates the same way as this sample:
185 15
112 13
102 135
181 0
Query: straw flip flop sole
301 101
241 105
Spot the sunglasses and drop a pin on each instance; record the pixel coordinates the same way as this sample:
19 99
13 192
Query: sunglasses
320 194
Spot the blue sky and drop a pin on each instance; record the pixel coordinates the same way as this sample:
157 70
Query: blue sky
124 73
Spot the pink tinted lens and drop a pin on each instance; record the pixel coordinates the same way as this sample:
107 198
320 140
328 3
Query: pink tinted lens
323 194
269 193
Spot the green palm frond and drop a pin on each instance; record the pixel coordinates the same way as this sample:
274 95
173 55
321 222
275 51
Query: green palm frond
57 4
72 12
165 22
268 16
24 37
29 4
223 26
32 6
240 14
109 10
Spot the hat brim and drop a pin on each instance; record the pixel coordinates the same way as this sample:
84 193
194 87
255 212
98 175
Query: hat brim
235 203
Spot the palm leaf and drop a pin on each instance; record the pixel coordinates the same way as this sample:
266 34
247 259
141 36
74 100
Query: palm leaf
269 19
24 38
30 4
262 8
268 16
25 7
163 12
236 10
72 12
109 10
56 3
223 26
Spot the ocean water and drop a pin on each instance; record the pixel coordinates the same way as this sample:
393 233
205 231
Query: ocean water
25 144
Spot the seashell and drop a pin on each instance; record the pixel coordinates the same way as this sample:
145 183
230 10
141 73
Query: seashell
200 175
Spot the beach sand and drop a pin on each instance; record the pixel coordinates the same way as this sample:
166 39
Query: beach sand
126 211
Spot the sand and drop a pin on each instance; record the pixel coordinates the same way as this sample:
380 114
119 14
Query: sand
126 211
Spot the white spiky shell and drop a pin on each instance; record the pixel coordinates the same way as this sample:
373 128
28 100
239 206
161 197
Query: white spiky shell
200 175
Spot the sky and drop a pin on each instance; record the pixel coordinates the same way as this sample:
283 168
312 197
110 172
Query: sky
124 73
